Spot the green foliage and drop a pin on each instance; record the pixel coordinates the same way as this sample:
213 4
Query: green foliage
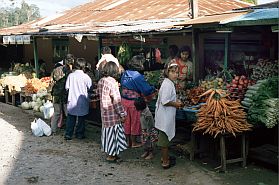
250 1
12 16
124 54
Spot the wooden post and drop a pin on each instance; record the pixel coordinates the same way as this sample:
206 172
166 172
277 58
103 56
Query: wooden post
36 56
227 49
223 153
243 149
100 45
195 57
194 8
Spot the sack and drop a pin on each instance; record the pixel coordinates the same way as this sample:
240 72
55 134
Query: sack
48 110
45 127
40 128
36 129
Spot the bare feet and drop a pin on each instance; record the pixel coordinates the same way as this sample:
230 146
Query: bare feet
150 156
144 155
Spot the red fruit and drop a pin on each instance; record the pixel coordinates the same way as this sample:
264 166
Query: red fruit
228 86
240 87
234 85
236 78
243 77
246 81
241 82
234 81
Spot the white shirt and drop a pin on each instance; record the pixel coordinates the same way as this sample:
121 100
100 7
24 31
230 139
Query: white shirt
165 115
108 58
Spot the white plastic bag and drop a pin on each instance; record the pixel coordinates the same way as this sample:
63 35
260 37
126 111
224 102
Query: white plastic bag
36 129
48 110
40 128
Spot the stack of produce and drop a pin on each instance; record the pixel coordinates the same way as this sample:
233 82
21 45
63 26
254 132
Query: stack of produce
154 78
33 85
14 82
220 115
261 100
124 53
192 96
25 69
265 69
212 83
238 87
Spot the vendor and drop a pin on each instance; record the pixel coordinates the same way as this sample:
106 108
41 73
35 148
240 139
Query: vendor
185 67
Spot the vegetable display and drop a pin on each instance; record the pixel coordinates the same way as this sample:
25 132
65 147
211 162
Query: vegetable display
265 69
124 53
238 86
261 100
220 115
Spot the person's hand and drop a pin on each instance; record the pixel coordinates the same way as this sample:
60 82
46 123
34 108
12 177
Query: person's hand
179 104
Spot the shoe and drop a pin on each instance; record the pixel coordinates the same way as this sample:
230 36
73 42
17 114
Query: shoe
137 146
67 138
82 137
168 165
116 160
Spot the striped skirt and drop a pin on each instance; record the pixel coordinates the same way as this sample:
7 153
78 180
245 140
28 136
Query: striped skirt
113 140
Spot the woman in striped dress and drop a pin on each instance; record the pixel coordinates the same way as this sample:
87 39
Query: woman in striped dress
112 113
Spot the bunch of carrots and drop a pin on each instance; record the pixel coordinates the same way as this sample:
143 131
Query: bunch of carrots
221 115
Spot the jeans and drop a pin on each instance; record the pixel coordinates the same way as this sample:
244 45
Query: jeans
70 126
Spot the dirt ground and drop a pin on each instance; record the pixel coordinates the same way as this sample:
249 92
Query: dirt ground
26 159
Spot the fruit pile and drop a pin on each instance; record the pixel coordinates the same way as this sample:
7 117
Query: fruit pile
217 83
238 87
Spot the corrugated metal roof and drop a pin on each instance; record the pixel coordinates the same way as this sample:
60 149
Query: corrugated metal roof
256 15
211 19
124 16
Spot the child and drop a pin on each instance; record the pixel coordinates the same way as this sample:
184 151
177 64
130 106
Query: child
112 112
165 112
149 133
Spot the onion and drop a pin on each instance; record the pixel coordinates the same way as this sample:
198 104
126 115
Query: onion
241 82
236 78
246 81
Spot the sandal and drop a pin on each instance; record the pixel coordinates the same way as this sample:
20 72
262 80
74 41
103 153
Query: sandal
169 164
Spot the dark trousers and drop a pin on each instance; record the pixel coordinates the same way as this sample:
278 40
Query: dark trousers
70 126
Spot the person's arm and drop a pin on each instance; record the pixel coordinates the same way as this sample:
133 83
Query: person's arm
116 101
176 104
144 86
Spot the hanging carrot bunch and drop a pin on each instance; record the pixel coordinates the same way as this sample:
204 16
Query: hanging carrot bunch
220 115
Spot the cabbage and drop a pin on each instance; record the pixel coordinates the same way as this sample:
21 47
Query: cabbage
25 105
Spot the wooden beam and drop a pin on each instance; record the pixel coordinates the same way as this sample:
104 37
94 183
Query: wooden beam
35 48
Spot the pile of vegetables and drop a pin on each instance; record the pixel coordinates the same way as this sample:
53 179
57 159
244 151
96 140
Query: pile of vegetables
33 85
154 78
192 96
124 53
220 115
238 86
14 82
265 69
261 100
212 83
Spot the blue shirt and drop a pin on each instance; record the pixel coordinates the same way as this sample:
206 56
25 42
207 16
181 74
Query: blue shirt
133 80
78 83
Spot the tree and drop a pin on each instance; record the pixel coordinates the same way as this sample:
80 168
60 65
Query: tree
251 1
12 16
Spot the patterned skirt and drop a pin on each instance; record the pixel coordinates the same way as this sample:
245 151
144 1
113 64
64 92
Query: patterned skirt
113 140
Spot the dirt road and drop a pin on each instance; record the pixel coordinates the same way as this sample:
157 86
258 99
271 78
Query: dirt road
26 159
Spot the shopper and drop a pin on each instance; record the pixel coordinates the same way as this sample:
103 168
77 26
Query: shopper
185 67
149 132
77 84
58 92
134 86
165 112
112 113
106 56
